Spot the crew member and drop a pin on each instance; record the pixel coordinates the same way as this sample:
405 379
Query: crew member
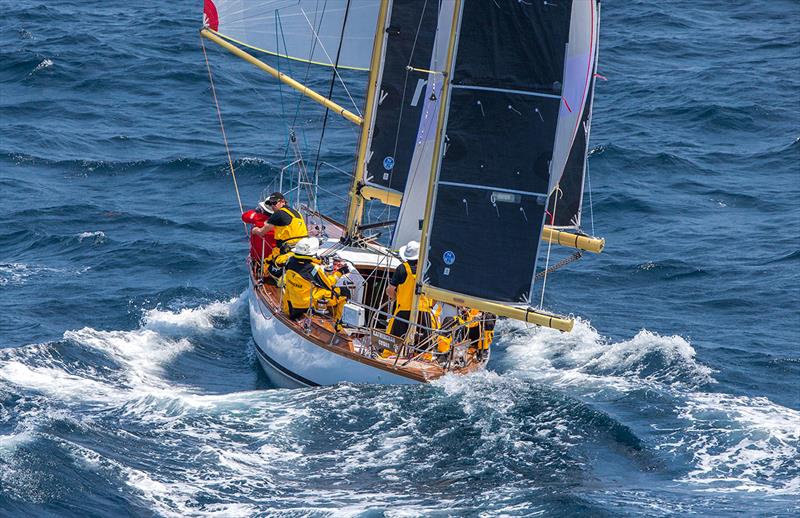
287 223
306 284
401 290
444 340
261 243
479 329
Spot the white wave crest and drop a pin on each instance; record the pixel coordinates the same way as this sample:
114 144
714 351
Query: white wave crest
9 443
57 383
198 319
98 236
46 63
741 443
143 352
584 357
142 356
735 443
17 274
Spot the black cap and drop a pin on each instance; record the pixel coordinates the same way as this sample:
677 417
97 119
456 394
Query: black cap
274 198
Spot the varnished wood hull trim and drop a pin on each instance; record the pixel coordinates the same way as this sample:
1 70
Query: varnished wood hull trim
302 359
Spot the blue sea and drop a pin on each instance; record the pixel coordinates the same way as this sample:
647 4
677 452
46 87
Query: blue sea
128 381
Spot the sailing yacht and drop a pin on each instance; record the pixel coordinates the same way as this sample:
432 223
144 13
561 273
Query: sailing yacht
473 132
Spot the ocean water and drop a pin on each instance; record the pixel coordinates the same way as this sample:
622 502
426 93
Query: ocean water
128 382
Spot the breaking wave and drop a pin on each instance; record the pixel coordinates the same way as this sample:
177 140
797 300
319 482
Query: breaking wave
731 443
540 423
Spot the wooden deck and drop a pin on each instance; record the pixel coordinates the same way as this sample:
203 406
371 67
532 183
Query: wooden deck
320 331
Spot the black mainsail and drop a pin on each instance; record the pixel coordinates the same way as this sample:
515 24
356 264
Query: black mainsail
494 176
401 97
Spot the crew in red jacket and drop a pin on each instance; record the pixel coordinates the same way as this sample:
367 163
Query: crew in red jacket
260 246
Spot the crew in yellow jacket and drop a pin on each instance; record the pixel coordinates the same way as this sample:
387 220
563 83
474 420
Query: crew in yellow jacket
287 223
401 290
306 283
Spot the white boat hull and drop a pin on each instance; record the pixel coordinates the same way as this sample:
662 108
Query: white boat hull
292 361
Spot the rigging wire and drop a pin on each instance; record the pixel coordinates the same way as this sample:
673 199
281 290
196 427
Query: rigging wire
336 65
591 205
549 244
222 127
330 94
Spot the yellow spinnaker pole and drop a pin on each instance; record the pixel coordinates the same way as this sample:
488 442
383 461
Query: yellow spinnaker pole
386 197
356 210
529 315
588 243
283 78
437 149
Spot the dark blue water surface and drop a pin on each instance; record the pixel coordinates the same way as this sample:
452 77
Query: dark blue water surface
128 385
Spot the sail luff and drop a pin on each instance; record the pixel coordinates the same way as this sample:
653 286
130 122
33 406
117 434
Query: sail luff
406 77
410 215
571 185
579 62
280 76
435 164
356 209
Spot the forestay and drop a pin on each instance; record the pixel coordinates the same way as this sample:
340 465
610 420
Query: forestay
495 174
304 30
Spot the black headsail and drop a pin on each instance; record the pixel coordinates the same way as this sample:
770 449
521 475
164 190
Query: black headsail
401 97
492 187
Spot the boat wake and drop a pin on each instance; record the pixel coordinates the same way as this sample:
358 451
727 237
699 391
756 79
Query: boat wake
148 410
656 384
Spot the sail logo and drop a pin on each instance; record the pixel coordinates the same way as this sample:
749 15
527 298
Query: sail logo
449 257
388 163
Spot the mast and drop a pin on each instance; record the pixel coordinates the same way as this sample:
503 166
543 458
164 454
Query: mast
356 210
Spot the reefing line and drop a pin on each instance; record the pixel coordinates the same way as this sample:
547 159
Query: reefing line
283 78
222 127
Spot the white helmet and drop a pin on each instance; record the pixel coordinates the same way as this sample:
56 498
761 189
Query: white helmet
307 246
266 209
410 252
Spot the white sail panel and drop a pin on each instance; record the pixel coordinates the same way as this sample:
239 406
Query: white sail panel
303 30
412 210
578 71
